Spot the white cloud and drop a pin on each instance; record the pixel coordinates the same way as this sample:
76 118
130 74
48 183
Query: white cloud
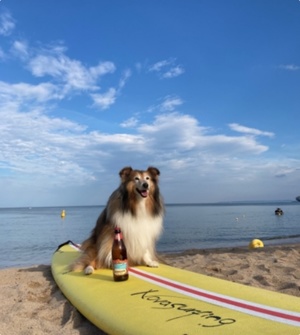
101 69
67 76
57 151
233 146
179 132
105 100
34 144
170 103
126 75
130 123
20 49
56 148
173 72
251 131
75 75
159 65
166 104
7 23
22 91
171 132
290 67
167 69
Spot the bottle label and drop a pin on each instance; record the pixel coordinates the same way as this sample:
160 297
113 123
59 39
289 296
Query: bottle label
120 267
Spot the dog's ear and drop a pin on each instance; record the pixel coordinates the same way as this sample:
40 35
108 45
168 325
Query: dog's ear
125 172
153 171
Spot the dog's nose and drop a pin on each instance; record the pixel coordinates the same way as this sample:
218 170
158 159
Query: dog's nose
145 185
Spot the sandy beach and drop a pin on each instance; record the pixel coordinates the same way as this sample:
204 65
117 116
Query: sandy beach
32 304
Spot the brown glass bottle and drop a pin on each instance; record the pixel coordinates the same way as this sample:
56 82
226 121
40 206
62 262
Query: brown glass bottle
119 257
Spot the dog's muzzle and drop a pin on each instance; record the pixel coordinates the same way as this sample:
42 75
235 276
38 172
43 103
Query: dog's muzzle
144 191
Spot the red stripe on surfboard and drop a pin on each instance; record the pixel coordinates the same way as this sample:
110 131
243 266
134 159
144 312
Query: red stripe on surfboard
216 298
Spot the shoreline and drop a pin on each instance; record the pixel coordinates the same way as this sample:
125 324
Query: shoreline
284 242
220 250
33 304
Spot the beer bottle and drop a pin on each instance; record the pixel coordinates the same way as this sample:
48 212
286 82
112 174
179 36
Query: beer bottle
119 257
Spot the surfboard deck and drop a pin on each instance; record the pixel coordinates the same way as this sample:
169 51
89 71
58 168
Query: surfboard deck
167 300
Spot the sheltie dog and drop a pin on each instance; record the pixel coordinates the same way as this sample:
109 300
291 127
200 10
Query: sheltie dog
136 206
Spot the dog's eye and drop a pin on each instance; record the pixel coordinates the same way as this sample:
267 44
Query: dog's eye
137 178
147 178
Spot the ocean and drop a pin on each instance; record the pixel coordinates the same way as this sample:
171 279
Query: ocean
29 236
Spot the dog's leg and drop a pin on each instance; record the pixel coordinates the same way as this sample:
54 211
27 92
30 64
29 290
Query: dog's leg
89 270
149 261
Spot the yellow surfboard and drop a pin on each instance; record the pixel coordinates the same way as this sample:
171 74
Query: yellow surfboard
167 300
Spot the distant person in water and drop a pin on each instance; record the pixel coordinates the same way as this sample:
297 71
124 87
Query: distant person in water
278 211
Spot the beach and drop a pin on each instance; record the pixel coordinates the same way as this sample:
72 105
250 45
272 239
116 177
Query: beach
32 304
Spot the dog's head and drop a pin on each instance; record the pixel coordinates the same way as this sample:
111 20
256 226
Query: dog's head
140 182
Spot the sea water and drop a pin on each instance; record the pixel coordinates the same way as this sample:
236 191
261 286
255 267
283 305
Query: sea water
29 236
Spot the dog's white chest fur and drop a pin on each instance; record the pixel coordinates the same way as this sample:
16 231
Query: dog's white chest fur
140 233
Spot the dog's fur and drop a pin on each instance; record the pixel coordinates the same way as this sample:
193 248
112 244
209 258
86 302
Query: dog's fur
137 208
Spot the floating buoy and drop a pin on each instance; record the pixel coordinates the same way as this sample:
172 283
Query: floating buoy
63 214
256 244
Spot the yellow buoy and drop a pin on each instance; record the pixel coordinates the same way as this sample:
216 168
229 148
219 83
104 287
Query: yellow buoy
63 213
256 244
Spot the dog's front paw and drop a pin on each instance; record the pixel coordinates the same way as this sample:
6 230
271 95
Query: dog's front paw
89 270
152 264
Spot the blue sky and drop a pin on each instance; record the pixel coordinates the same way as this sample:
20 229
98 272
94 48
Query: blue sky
206 91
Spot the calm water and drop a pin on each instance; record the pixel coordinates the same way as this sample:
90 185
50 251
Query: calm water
30 236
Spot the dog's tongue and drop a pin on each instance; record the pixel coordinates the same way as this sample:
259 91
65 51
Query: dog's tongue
144 194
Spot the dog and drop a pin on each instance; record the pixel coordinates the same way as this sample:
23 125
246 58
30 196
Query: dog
137 208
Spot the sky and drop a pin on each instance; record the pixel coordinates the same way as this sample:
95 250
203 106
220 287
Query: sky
206 91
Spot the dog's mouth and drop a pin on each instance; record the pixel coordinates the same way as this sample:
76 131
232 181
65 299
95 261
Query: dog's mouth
142 193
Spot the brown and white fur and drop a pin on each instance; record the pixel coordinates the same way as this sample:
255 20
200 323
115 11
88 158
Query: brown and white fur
136 207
